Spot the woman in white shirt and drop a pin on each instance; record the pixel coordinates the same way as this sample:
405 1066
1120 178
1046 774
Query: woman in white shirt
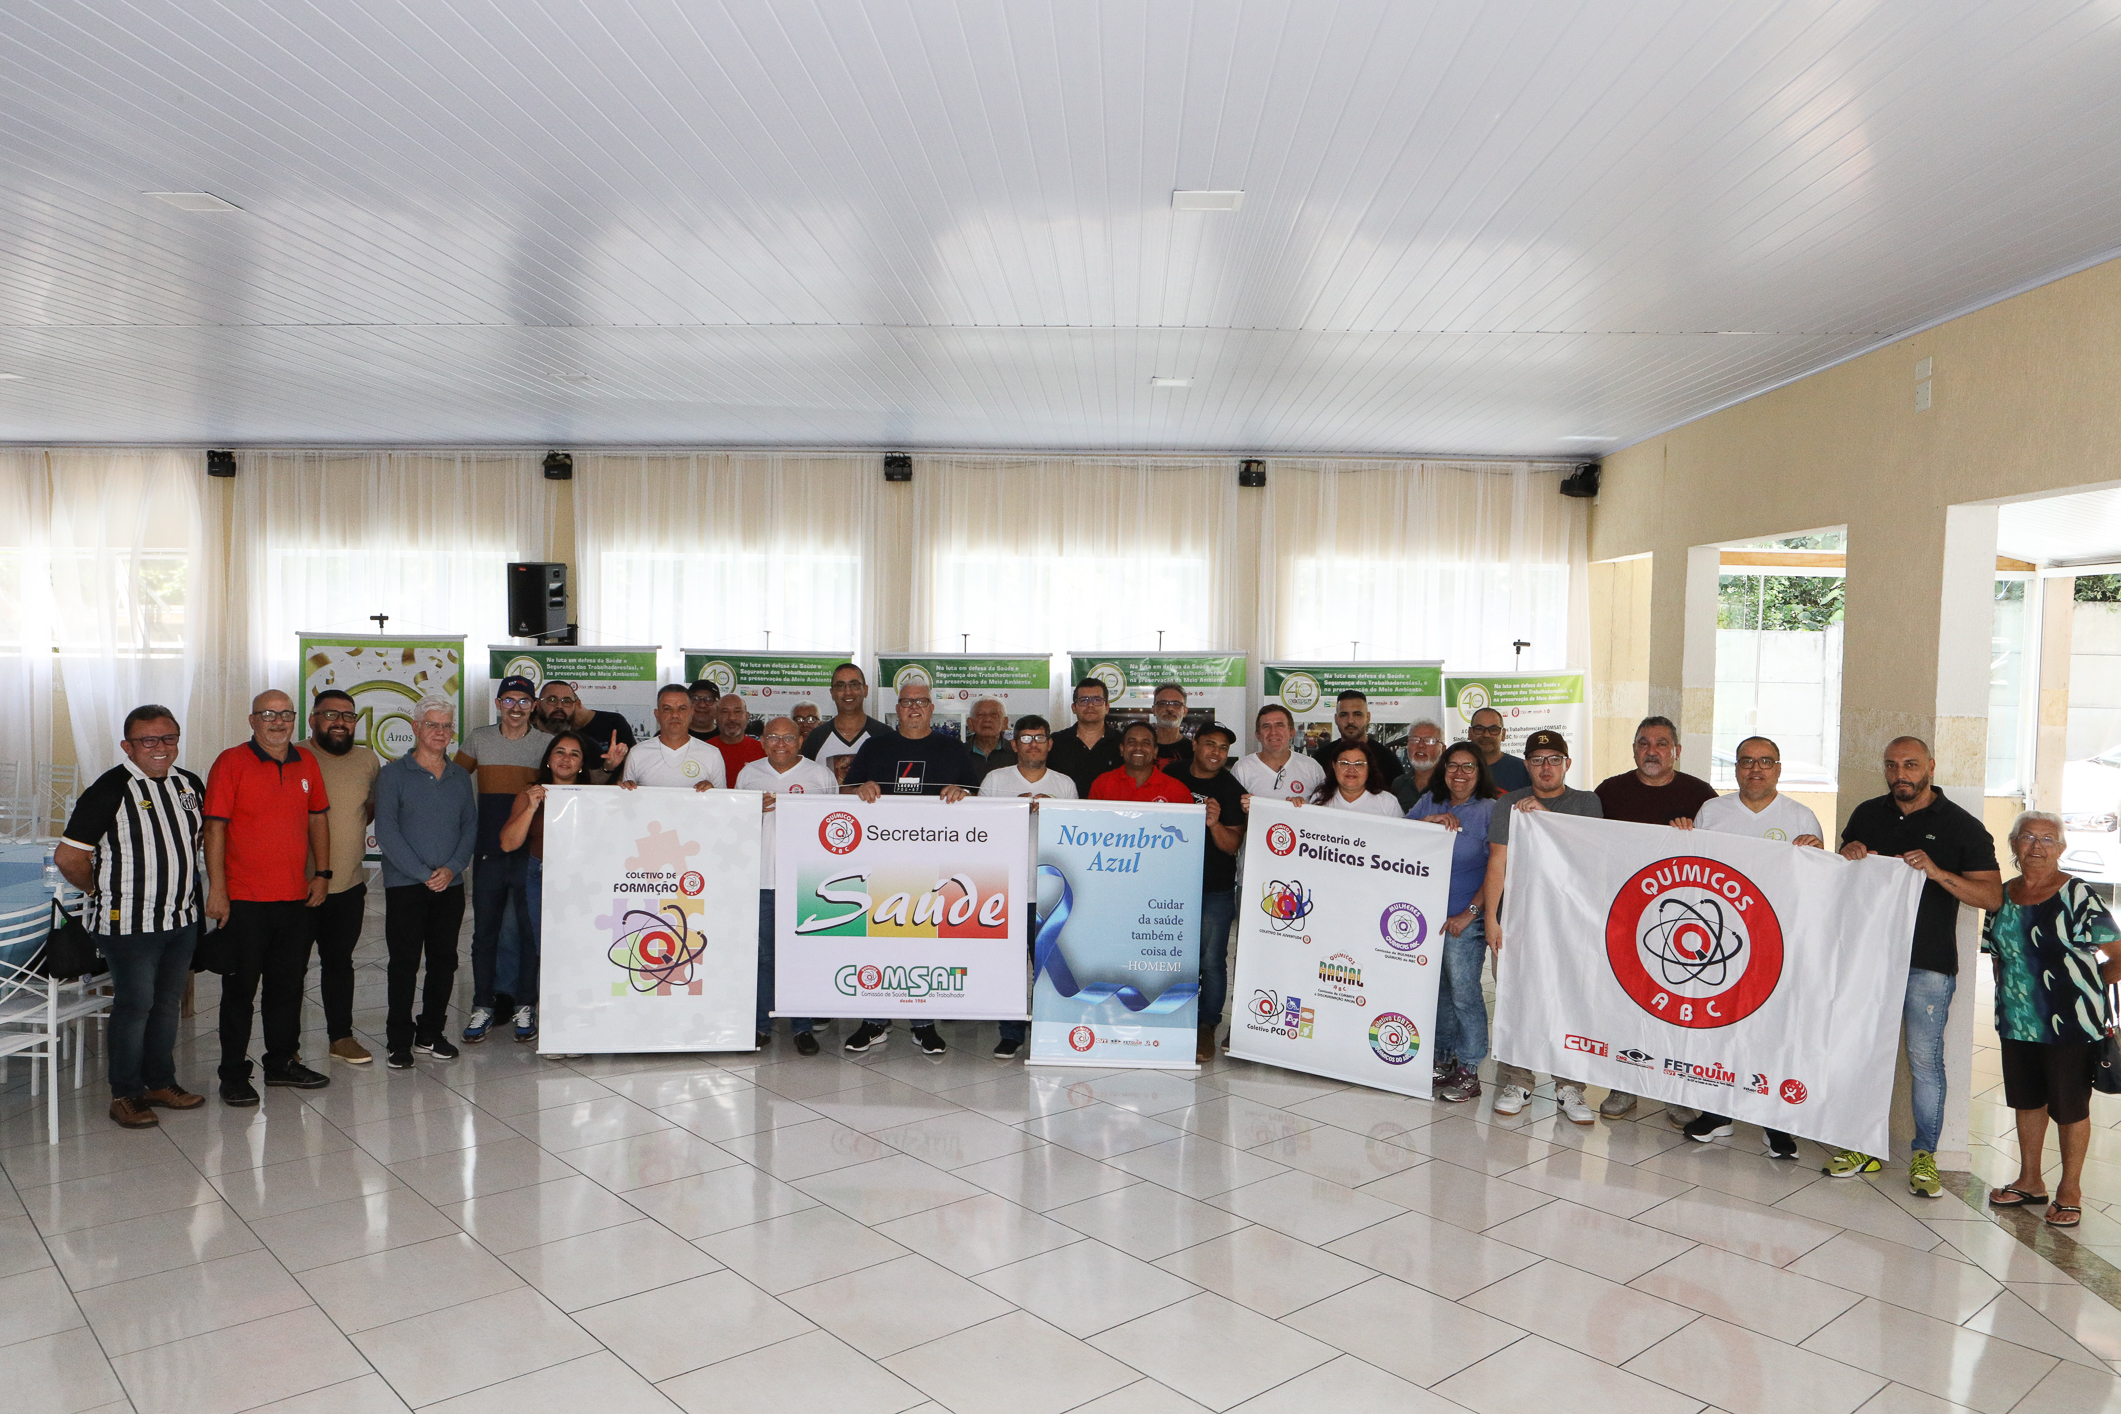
1352 783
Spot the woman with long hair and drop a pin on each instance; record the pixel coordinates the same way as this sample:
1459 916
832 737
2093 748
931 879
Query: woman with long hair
566 756
1460 798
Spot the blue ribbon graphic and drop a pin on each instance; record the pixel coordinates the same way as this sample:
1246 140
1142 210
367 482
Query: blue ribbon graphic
1054 965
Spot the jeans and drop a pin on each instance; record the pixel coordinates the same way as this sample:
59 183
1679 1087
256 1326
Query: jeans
496 896
530 951
337 924
417 923
1020 1031
1923 1014
267 952
1461 1010
797 1025
1218 910
147 976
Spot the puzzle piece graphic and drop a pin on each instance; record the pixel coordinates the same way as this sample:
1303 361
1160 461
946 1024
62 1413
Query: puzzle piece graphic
660 848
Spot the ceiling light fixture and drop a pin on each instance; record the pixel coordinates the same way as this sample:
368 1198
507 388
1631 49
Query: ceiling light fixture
1586 439
1207 200
1170 382
193 200
12 377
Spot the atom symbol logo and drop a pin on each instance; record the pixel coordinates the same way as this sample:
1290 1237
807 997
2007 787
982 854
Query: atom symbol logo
1691 941
1287 904
1694 942
657 951
839 832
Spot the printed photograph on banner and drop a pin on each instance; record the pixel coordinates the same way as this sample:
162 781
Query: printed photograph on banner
905 907
1527 702
1340 944
1398 695
771 684
649 932
1019 683
1116 955
1214 684
1732 974
621 680
386 677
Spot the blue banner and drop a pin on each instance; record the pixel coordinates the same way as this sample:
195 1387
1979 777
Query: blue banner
1117 957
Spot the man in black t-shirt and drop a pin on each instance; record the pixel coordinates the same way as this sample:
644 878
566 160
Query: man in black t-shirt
1216 788
609 735
1087 749
1351 722
1957 856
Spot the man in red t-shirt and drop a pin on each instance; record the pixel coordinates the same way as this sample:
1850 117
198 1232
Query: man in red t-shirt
1138 778
732 714
265 822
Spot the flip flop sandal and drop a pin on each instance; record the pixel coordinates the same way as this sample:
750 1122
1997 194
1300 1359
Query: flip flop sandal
2054 1208
2018 1198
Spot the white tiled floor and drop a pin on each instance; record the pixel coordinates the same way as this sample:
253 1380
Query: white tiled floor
904 1233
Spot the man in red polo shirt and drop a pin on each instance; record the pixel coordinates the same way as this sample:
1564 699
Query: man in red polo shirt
265 807
1138 778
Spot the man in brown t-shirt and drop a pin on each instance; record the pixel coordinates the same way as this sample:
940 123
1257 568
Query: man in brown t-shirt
349 772
1656 792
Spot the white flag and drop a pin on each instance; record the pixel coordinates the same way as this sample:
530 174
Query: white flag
1740 976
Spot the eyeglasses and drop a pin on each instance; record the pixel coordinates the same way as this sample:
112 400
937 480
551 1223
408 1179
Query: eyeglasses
1761 763
274 716
1466 767
562 701
424 726
2049 840
1032 738
1544 760
1495 730
1093 697
781 736
170 740
516 704
335 716
911 703
1361 765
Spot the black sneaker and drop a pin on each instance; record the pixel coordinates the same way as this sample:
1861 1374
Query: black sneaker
1706 1127
1007 1047
929 1040
400 1060
1780 1145
238 1094
763 1039
438 1047
296 1076
866 1036
805 1044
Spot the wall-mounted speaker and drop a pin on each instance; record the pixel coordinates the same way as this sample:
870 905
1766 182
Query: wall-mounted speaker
1252 472
537 600
1582 482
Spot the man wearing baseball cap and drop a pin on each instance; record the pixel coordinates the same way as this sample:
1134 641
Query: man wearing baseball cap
1546 757
503 759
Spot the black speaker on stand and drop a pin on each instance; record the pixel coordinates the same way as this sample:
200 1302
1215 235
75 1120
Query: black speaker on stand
537 600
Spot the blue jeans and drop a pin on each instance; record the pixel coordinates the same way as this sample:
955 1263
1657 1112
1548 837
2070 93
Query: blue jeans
147 974
496 895
1461 1011
1923 1014
797 1025
1218 910
531 941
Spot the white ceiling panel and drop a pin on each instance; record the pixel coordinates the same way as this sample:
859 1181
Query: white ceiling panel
1466 227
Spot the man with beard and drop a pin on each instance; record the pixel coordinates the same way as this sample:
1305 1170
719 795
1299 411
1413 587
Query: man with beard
1167 713
502 758
1957 857
349 773
1424 754
1088 749
609 735
1351 716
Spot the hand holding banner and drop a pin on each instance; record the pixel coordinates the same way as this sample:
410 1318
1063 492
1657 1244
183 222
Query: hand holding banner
1742 976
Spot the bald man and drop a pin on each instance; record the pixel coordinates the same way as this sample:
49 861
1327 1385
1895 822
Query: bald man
1957 856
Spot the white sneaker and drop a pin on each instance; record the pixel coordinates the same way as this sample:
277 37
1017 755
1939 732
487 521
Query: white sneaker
1512 1100
1572 1105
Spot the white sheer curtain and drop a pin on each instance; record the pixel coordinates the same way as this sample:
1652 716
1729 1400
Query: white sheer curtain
1401 559
1058 553
25 615
723 549
323 539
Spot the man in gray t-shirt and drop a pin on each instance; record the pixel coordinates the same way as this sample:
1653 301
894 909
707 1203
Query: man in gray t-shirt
1547 758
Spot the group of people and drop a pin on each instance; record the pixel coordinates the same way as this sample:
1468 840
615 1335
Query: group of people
270 847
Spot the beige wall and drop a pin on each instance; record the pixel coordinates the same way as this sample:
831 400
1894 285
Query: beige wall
1620 661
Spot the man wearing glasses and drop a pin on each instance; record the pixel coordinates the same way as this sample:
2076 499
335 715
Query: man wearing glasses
427 825
503 759
1484 730
783 771
1167 713
1030 779
1086 750
609 735
265 828
349 772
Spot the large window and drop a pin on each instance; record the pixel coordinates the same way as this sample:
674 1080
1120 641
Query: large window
1778 657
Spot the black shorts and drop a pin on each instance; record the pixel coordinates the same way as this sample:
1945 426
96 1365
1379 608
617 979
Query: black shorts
2055 1075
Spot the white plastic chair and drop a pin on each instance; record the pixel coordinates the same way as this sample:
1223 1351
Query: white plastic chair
29 1004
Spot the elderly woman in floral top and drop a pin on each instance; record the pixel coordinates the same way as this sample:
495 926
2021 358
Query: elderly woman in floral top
2053 945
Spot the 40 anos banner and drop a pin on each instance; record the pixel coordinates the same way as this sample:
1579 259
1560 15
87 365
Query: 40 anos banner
650 920
1214 684
386 676
901 908
1021 682
1528 702
1400 694
1742 976
621 680
771 684
1117 967
1340 944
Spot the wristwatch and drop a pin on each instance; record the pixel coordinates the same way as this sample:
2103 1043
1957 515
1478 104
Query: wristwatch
320 873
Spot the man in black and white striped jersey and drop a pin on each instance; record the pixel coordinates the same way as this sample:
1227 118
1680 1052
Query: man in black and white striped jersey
134 847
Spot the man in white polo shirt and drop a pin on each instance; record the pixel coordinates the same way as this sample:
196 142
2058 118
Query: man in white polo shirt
674 759
1274 770
785 771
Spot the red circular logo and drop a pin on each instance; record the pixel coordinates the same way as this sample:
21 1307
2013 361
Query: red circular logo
1280 838
869 978
1694 942
1082 1038
1793 1092
839 832
691 884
